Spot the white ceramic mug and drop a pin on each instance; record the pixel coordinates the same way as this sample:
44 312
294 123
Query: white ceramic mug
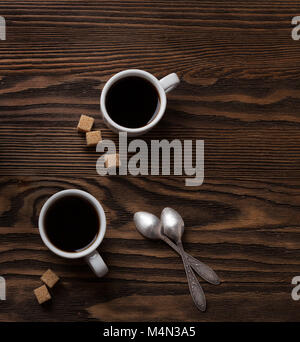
162 86
90 254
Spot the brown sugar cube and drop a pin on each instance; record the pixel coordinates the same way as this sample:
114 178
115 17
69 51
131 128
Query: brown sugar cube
93 137
42 294
112 160
85 123
49 278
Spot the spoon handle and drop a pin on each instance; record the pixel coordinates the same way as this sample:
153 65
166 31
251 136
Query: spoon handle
194 285
203 270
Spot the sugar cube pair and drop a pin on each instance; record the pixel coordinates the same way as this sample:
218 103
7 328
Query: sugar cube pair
85 125
42 294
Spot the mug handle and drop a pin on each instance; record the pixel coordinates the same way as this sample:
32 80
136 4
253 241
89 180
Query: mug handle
97 264
169 82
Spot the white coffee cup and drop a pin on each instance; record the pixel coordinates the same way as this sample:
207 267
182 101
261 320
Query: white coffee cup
162 86
90 254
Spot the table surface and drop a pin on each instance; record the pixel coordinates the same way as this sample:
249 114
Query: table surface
239 91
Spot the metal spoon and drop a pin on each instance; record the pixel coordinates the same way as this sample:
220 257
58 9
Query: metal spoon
173 227
150 226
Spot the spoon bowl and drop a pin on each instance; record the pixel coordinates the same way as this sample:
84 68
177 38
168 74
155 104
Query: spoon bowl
148 225
173 225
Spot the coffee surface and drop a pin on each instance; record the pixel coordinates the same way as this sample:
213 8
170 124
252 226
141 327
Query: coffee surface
72 223
132 101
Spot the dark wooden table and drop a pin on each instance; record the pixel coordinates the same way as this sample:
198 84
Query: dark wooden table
239 91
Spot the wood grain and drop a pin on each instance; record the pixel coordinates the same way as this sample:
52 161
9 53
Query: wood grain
239 92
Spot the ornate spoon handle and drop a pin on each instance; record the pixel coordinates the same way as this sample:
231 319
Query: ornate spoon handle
203 270
194 285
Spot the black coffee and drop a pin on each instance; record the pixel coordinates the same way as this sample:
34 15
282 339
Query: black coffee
72 223
132 101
